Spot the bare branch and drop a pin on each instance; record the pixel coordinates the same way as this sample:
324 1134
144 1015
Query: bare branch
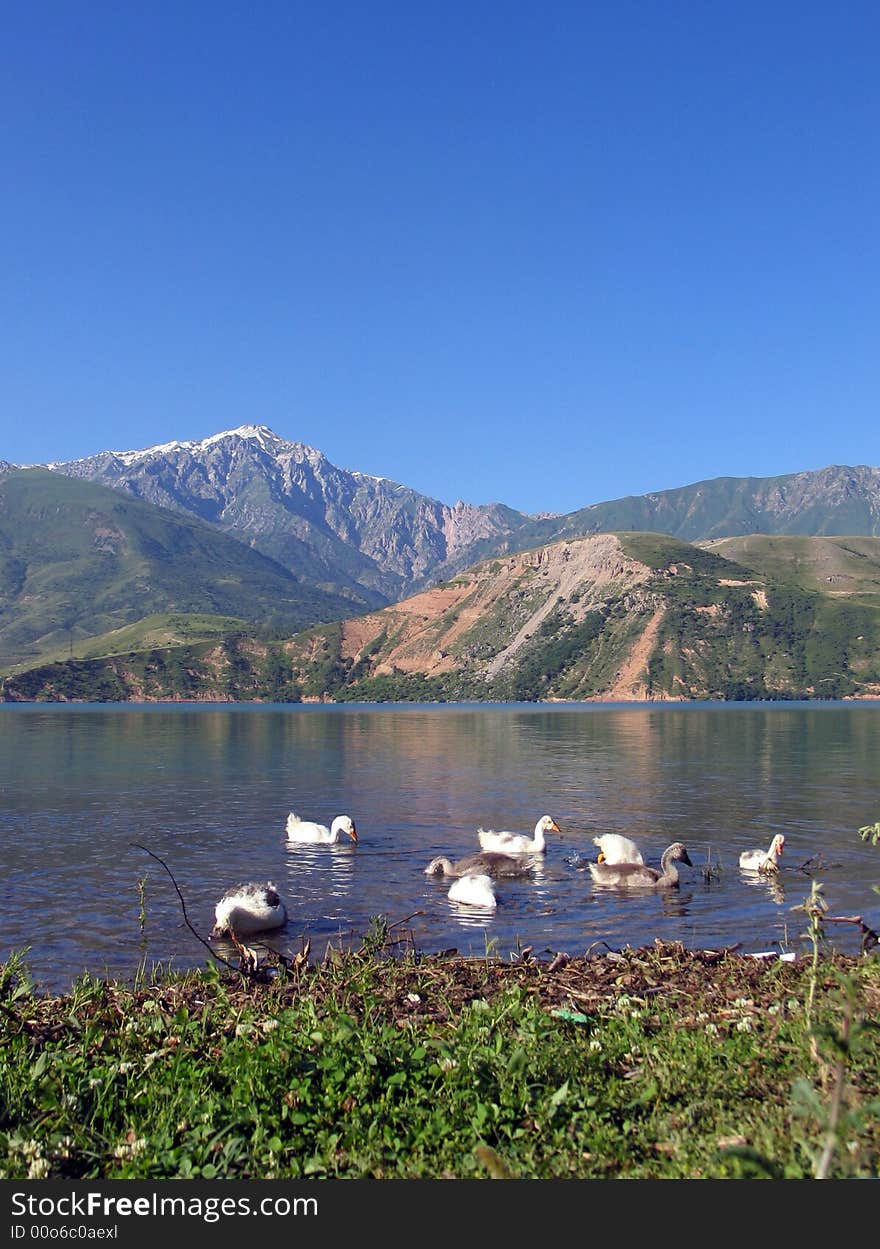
869 936
405 920
194 932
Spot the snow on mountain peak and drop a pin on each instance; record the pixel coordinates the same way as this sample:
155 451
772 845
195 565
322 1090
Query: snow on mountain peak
256 433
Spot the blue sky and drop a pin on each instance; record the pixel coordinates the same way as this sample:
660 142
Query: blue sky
543 254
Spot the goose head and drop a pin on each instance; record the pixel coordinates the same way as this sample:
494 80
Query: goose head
440 866
344 824
678 852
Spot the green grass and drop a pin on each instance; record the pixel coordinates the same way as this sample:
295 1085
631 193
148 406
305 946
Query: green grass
847 566
660 551
641 1064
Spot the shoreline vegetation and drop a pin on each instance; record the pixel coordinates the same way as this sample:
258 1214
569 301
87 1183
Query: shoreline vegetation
316 701
378 1062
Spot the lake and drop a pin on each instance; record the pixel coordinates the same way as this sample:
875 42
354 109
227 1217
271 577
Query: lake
208 790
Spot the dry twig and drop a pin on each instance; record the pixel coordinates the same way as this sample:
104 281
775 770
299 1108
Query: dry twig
194 932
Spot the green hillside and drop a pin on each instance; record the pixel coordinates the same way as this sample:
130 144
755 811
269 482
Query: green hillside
79 560
627 616
732 631
161 629
845 568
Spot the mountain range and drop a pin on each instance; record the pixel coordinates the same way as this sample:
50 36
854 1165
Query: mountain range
368 537
615 617
247 533
376 540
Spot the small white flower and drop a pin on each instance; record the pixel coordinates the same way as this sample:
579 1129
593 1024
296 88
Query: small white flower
595 1045
711 1029
130 1149
744 1025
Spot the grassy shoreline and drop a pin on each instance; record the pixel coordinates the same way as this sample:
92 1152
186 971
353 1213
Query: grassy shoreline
657 1063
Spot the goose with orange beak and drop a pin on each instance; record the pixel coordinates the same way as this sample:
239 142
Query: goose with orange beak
763 860
519 843
308 832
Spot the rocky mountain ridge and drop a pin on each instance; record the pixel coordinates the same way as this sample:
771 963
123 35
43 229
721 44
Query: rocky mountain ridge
835 500
336 528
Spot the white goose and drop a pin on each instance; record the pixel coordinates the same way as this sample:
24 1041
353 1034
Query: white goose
613 848
474 890
248 908
310 833
518 843
763 860
638 875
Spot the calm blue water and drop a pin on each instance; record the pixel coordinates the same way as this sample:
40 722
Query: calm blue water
208 789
